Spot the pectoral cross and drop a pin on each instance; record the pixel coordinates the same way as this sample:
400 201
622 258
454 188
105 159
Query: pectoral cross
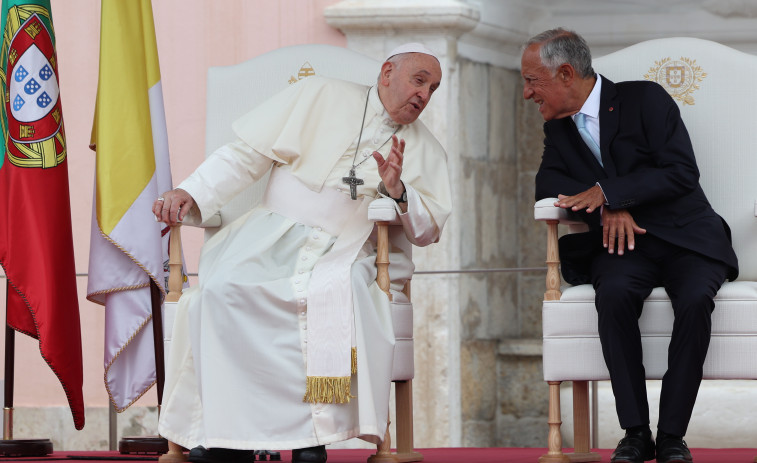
353 182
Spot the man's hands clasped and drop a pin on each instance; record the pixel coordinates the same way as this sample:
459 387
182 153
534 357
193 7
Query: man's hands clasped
618 226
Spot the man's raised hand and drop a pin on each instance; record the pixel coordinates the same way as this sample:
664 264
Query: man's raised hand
390 169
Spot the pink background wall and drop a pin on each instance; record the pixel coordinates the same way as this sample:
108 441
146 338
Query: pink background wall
192 35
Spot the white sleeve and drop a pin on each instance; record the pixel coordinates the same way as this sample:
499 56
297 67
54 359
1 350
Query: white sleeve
420 227
224 174
418 223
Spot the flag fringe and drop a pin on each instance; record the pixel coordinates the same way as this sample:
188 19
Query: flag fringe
78 418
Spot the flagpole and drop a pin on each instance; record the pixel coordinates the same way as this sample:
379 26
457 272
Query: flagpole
10 446
157 333
10 355
151 444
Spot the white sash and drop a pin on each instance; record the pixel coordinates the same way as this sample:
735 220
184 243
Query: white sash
330 321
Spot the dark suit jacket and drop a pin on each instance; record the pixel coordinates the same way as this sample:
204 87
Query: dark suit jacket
649 169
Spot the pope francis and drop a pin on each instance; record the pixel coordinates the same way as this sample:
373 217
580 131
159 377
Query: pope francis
286 342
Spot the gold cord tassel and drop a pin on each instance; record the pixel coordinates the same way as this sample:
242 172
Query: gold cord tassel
327 390
353 367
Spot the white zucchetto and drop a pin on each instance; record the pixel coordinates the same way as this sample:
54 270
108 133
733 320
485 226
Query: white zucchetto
412 47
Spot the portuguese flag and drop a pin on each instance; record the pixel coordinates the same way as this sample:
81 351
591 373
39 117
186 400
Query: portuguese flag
36 245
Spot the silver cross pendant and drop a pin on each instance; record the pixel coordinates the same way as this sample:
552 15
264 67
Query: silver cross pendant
353 182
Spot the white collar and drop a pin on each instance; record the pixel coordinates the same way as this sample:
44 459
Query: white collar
591 105
375 101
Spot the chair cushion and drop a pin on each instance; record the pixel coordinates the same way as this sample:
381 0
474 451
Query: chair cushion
572 350
402 320
382 209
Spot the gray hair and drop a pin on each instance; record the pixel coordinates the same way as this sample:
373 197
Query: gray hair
560 46
396 60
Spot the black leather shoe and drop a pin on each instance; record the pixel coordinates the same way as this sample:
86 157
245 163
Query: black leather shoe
635 447
220 455
672 449
309 455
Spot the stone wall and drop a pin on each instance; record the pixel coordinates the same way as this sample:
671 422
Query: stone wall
504 400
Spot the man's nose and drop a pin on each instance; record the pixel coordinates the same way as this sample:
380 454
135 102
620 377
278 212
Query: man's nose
424 94
528 92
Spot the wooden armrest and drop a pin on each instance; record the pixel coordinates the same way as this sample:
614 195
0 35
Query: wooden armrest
383 212
546 211
175 266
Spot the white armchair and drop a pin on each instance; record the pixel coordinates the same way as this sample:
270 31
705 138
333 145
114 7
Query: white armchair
234 90
714 87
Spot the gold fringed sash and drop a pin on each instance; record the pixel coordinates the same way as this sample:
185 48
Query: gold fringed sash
353 367
327 390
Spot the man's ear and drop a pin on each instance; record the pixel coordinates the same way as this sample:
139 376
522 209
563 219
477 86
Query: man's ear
566 73
386 70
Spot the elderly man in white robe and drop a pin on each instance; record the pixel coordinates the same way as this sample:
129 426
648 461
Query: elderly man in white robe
287 342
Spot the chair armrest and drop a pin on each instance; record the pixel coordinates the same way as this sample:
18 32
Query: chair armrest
175 266
383 210
545 209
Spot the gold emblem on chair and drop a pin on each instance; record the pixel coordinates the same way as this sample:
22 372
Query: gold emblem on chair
679 77
306 70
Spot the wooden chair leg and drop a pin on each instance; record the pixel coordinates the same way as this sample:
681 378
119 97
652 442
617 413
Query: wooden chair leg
175 453
581 425
175 284
403 393
384 450
554 441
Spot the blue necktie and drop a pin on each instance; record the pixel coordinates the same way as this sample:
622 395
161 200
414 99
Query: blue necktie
588 139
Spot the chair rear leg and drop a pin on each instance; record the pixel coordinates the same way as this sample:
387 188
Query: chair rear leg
403 391
581 425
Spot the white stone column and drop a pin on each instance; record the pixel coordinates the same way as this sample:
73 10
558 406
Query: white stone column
374 28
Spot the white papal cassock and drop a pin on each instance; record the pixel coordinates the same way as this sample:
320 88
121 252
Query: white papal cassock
237 368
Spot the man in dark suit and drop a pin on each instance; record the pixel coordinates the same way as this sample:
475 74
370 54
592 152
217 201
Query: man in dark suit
619 155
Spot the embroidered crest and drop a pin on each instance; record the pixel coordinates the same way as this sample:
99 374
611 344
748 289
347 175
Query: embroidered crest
34 137
306 70
679 77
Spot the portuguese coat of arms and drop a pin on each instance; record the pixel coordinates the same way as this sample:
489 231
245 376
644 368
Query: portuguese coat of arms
679 77
34 135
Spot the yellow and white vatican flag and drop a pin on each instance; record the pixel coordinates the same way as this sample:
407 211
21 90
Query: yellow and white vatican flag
128 247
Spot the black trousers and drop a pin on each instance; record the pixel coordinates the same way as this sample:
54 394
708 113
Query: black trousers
622 282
